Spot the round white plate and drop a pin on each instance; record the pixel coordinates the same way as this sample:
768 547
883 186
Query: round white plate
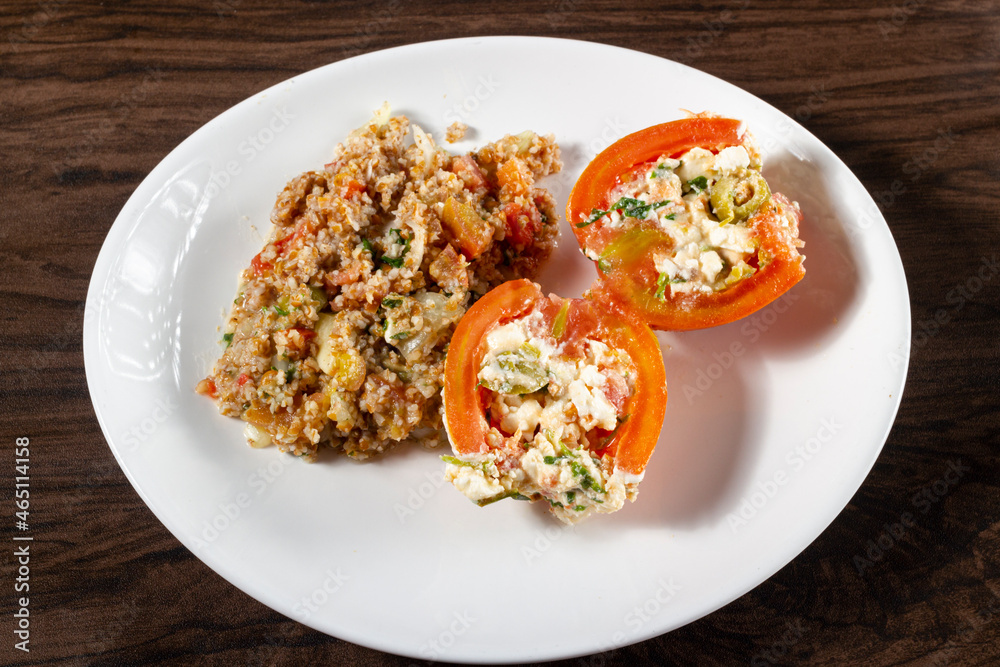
773 422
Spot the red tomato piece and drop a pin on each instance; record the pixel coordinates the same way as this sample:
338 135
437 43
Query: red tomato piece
523 223
466 168
627 275
466 418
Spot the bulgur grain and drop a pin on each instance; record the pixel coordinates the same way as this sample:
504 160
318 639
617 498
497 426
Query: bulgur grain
339 331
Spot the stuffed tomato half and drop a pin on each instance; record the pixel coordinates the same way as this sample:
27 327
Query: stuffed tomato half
551 399
683 227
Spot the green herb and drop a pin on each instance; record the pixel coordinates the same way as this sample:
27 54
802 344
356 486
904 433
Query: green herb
660 170
401 334
586 481
401 238
560 321
595 215
611 436
397 262
663 281
280 311
458 462
699 184
628 207
661 286
367 245
551 459
289 375
507 494
391 303
228 338
579 508
571 497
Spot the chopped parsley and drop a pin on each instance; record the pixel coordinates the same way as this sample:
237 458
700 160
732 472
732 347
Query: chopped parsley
586 481
391 302
228 338
280 311
577 468
397 262
660 169
663 281
628 207
401 334
661 286
699 184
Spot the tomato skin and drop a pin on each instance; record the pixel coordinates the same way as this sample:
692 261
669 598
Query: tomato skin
630 285
623 156
465 418
708 310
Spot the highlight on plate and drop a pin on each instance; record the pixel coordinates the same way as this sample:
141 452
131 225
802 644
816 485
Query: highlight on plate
338 333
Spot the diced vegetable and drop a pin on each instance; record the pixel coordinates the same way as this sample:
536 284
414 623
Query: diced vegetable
344 365
472 233
738 196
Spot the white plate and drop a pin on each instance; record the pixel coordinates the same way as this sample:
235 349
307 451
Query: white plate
772 425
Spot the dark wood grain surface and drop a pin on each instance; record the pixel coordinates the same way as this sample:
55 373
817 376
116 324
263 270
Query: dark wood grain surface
907 93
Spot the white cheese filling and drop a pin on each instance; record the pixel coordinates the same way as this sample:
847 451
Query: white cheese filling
675 193
550 412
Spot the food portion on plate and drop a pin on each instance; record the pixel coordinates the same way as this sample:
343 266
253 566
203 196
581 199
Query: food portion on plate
682 226
394 301
339 329
551 399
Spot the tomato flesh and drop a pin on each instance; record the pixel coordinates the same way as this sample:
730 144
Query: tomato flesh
466 416
625 257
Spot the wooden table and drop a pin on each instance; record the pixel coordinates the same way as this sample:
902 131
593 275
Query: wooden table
94 95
